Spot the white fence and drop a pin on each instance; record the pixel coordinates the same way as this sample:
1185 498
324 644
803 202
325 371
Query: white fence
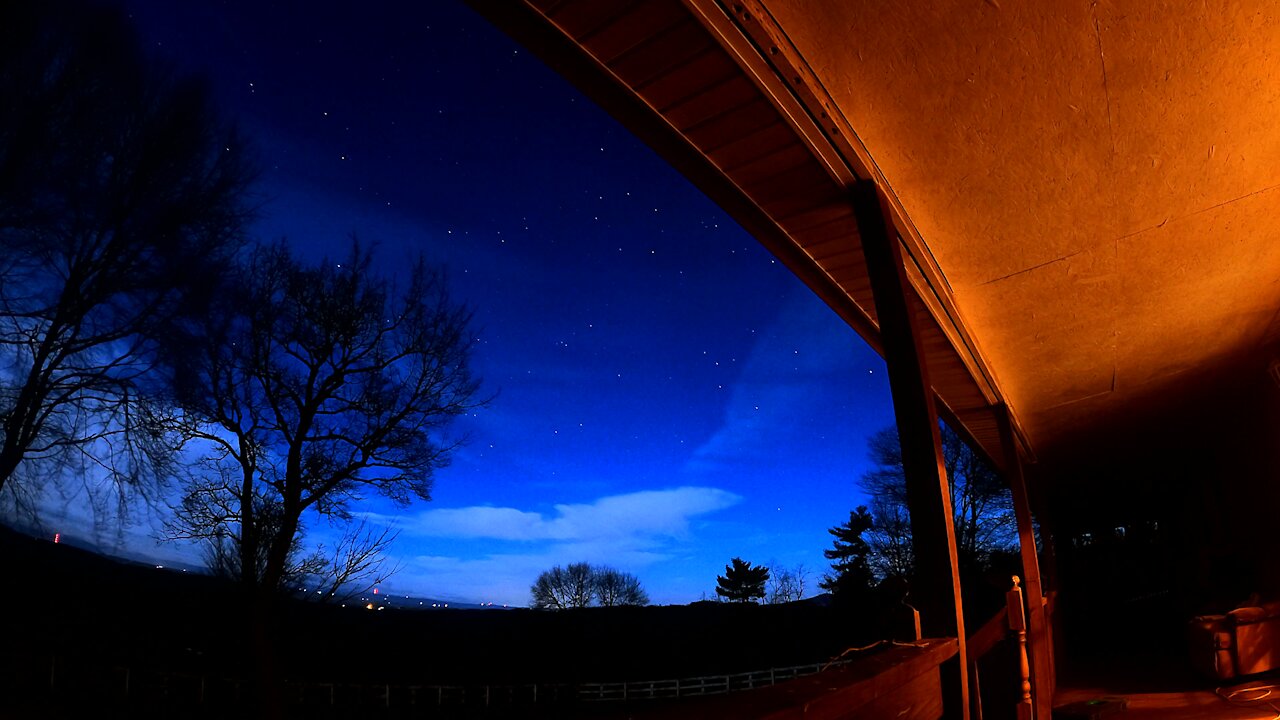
689 687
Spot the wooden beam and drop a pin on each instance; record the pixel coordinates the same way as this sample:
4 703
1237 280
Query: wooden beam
936 587
1039 633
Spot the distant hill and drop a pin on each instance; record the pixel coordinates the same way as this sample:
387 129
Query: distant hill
70 602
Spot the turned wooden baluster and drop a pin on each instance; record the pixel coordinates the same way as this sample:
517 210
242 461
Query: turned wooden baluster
1018 624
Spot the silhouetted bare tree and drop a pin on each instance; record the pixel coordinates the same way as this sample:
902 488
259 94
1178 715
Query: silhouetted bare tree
561 588
981 504
121 196
310 387
786 584
356 563
578 585
614 588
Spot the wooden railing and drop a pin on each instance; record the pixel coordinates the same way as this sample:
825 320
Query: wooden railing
1010 624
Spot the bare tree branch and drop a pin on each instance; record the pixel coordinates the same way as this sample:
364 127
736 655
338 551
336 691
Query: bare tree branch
300 376
121 196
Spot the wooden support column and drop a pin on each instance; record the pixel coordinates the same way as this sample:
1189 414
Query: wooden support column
935 591
1038 631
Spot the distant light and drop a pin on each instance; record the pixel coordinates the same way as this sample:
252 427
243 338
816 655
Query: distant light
369 606
375 591
57 538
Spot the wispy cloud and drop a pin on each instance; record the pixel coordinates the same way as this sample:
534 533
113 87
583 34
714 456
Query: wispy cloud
647 514
794 364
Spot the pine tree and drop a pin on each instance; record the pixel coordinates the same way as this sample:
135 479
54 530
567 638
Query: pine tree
742 582
851 569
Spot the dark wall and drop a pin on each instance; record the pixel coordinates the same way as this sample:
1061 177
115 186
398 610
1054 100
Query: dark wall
1170 507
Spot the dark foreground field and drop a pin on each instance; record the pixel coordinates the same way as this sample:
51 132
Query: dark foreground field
80 629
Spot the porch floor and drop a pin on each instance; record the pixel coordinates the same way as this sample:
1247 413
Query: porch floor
1186 705
1160 686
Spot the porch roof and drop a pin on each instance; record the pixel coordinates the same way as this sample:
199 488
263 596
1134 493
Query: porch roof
1088 194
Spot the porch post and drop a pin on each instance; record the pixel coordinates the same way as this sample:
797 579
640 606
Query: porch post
936 587
1038 635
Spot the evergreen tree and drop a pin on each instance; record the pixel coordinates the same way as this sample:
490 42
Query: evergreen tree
742 581
850 568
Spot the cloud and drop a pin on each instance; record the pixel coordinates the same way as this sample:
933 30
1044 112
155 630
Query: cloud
798 363
494 553
649 514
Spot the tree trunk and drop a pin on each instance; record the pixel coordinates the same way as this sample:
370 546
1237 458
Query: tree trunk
10 457
18 431
266 695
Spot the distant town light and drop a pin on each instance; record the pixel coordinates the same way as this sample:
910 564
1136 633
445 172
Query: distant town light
57 538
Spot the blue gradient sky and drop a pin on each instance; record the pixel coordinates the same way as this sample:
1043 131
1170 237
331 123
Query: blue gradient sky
667 395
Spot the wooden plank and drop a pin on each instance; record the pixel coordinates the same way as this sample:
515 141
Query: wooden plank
834 212
698 89
736 154
658 55
705 104
626 31
989 635
919 698
733 124
768 166
783 208
578 18
840 229
807 178
546 7
937 584
847 266
1038 635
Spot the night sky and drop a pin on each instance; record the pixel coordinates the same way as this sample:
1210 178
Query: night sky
666 394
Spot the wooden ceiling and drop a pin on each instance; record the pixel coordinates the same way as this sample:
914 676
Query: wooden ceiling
1087 194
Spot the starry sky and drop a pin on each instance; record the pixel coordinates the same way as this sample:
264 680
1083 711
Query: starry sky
666 394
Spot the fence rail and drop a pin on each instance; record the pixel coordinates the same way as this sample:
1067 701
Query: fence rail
690 687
